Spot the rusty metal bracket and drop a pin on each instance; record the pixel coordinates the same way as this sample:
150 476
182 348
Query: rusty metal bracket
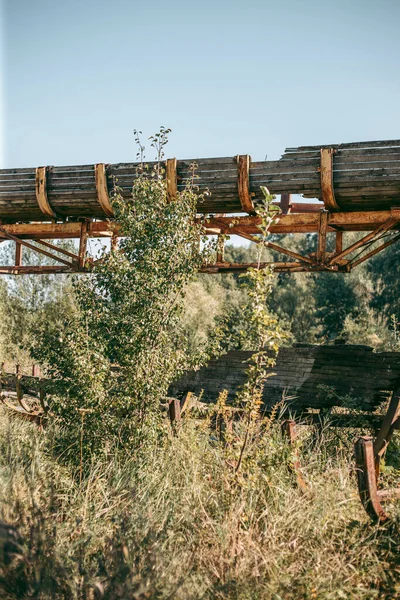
102 189
328 194
244 183
322 230
171 178
41 192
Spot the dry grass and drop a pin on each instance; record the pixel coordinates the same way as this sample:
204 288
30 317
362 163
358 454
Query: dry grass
178 523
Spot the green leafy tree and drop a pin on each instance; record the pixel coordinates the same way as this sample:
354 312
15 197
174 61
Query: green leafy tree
114 359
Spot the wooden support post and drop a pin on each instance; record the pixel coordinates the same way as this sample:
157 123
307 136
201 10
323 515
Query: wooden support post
322 229
18 254
174 411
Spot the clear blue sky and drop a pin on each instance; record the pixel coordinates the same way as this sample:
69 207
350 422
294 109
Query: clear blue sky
227 77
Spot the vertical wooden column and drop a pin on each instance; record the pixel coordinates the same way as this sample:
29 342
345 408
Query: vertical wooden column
174 411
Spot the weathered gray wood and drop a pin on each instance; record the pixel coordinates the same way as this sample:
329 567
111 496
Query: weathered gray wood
351 370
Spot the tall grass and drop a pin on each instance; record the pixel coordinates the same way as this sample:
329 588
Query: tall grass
178 523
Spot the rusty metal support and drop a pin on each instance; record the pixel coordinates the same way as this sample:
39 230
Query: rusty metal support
355 263
338 242
244 183
102 189
32 247
83 244
18 254
322 229
366 478
221 248
391 222
285 203
41 193
328 194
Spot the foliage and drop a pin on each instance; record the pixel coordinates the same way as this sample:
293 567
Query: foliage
174 524
114 359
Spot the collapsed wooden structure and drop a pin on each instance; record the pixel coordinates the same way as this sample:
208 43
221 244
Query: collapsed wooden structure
349 386
343 385
355 187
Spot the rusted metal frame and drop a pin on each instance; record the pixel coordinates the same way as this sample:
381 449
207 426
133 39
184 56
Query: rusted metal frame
284 204
58 249
19 390
244 193
18 254
171 178
221 248
391 222
35 248
368 454
366 479
383 436
322 230
34 270
338 242
266 243
41 193
83 244
289 431
293 267
355 263
328 194
102 189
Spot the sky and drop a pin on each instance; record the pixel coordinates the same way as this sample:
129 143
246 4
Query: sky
228 78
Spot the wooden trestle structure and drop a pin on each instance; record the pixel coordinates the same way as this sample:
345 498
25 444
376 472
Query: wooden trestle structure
355 187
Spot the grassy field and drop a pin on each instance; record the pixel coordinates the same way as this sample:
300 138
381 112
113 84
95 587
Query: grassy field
178 522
